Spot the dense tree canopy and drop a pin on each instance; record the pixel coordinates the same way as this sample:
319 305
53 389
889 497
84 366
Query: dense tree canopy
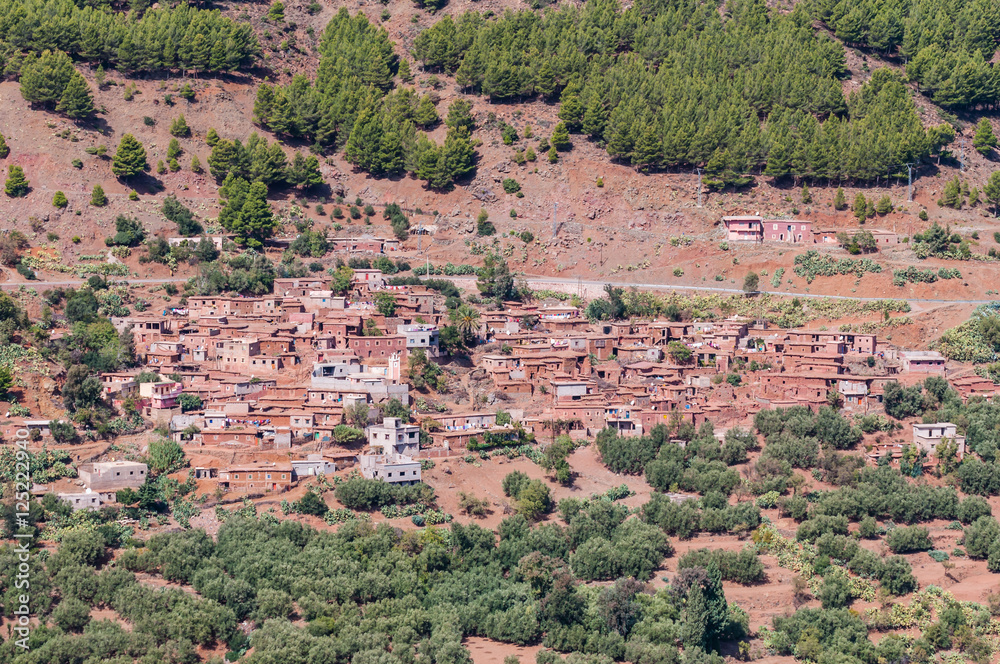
666 86
180 37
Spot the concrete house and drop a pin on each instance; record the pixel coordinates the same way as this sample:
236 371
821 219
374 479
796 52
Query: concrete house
392 446
113 475
922 361
791 231
744 228
928 436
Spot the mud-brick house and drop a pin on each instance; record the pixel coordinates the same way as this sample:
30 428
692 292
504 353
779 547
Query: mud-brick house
257 478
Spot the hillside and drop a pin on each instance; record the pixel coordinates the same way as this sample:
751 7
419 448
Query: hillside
615 216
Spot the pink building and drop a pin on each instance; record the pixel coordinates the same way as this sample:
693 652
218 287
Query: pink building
162 394
788 230
744 229
922 361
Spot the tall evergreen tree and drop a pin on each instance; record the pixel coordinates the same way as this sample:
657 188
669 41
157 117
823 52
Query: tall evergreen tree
840 200
984 140
425 115
130 158
460 115
571 107
4 149
992 191
76 101
304 171
560 137
648 149
860 207
365 141
255 223
44 78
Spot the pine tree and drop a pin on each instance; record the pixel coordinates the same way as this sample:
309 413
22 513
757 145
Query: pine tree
778 159
952 195
4 150
195 164
426 159
16 185
992 192
97 197
570 106
884 206
128 54
391 154
460 115
553 155
44 78
404 71
233 191
100 77
59 200
130 158
840 200
806 194
161 168
860 207
267 163
458 156
560 138
648 148
984 140
227 157
255 223
173 149
595 118
211 138
304 171
425 115
179 127
545 79
76 101
364 142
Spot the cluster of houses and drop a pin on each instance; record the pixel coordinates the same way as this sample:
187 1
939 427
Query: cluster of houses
276 377
756 229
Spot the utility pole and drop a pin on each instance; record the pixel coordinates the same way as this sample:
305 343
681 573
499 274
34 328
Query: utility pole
555 223
699 186
909 183
427 256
